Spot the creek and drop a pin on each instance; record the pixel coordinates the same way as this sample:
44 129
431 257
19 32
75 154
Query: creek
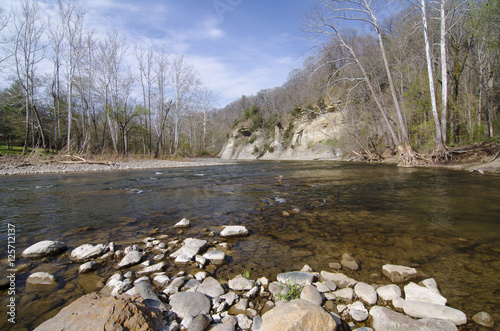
444 223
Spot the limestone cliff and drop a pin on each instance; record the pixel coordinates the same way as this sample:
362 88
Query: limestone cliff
304 138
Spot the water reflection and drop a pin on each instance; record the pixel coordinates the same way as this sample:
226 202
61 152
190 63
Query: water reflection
444 223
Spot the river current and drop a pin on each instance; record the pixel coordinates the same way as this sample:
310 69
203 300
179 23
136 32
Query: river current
444 223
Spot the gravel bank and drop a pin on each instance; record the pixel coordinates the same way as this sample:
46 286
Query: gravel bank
45 168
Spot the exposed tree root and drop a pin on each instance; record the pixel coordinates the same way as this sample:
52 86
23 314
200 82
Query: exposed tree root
409 158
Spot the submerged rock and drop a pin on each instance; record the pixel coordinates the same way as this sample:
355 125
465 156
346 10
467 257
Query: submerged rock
184 223
298 315
41 278
484 319
43 249
97 312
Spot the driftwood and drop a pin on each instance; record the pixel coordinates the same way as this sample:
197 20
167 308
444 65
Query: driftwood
80 160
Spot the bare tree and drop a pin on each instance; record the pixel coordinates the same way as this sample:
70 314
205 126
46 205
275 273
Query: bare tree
28 53
207 100
145 60
161 71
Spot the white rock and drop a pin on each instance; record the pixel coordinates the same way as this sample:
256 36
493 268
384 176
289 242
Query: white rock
87 267
398 273
200 276
230 298
263 281
141 279
311 294
190 248
240 283
386 319
41 278
420 309
346 294
184 223
211 288
339 279
234 231
215 257
321 287
358 311
161 280
398 302
431 284
200 260
244 322
43 249
389 292
132 258
182 260
152 269
366 293
306 268
252 293
88 251
414 292
296 277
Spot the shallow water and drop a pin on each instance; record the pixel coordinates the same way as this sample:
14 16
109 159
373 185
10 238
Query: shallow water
444 223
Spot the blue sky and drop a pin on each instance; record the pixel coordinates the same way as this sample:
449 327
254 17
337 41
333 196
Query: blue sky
238 46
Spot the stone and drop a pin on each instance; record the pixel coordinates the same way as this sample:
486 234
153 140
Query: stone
161 280
244 322
200 276
146 292
215 257
322 288
98 312
151 269
358 312
174 286
414 292
366 293
43 249
88 251
331 285
335 266
190 248
263 281
132 258
398 273
431 284
349 262
484 319
240 307
240 283
234 231
191 285
230 298
182 260
306 268
211 288
200 323
223 327
389 292
398 302
311 294
421 309
346 294
87 267
189 304
200 261
257 323
41 278
252 293
184 223
338 279
386 319
297 315
296 277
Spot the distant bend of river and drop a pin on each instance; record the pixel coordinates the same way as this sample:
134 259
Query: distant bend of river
445 223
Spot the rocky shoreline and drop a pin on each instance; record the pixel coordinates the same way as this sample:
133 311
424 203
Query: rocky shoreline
164 282
37 167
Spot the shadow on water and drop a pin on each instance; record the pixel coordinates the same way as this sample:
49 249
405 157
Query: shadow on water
445 223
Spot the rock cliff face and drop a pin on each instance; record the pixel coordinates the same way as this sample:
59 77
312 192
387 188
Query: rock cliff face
303 139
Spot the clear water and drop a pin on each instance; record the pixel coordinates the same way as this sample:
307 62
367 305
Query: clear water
444 223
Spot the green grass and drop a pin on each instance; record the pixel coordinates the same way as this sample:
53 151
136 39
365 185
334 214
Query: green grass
246 274
18 150
293 292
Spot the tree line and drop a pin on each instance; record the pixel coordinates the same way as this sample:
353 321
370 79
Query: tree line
417 80
102 96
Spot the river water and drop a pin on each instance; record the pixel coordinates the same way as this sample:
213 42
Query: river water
444 223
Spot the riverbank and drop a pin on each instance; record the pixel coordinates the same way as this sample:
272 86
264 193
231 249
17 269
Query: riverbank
167 282
26 166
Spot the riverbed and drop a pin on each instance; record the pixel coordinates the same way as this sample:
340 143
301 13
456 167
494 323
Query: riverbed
444 223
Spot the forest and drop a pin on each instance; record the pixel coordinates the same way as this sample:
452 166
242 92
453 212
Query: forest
413 76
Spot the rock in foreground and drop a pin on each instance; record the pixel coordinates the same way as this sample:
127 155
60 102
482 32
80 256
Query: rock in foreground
96 312
234 231
297 315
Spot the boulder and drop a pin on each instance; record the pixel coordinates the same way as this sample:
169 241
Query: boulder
420 309
132 258
240 283
190 248
41 278
296 277
234 231
484 319
399 273
349 262
215 257
414 292
97 312
211 288
389 292
338 279
43 249
88 251
366 293
184 223
297 315
386 319
189 304
311 294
